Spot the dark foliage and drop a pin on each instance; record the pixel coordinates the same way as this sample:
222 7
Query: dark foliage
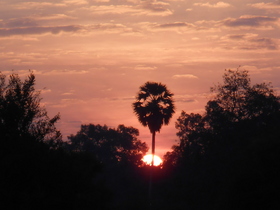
110 146
120 153
154 105
44 179
21 116
227 158
35 172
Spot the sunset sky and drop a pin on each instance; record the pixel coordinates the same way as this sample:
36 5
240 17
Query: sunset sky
91 56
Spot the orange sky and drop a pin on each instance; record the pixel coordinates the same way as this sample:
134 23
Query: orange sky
92 55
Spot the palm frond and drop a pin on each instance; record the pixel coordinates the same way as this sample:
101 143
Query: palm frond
154 105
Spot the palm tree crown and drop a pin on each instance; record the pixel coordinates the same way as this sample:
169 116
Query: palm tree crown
154 105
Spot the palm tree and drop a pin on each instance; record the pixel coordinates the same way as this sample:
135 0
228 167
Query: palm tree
154 107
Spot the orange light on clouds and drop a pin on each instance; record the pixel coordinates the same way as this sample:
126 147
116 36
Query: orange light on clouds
148 160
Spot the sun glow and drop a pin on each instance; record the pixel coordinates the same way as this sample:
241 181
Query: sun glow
148 160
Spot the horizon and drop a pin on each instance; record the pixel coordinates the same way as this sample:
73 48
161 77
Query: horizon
91 57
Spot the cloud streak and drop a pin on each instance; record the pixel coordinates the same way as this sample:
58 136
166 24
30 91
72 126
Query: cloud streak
249 42
149 8
39 30
270 5
249 20
184 76
175 24
219 4
54 30
145 68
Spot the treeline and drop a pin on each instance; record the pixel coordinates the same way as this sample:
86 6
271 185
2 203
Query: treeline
39 170
227 157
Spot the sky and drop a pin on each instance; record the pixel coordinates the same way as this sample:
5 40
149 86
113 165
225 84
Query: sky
91 56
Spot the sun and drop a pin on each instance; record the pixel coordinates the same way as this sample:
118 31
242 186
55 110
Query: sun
148 160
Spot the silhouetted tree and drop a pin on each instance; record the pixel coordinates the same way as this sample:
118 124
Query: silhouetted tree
237 100
193 133
120 153
21 116
154 107
109 145
237 110
36 172
227 157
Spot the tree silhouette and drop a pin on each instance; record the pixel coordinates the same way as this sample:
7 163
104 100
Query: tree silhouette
110 146
154 107
35 169
237 102
232 150
21 116
237 110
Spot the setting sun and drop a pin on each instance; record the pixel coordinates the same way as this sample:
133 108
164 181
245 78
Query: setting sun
148 160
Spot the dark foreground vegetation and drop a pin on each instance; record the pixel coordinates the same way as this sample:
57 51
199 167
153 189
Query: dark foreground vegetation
227 158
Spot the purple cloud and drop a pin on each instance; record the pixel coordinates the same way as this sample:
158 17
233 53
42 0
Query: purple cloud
249 21
38 30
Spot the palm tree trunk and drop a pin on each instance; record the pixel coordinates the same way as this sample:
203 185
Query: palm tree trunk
153 147
152 168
